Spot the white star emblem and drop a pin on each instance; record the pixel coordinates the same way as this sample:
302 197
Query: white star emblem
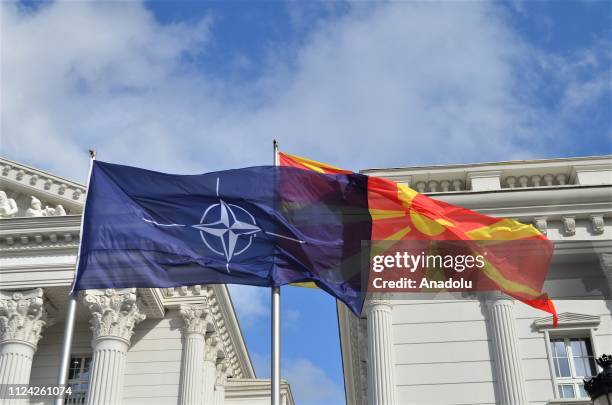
228 229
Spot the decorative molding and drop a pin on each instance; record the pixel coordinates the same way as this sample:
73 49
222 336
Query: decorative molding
541 224
568 320
222 372
152 302
377 299
22 316
457 185
432 185
114 312
484 180
36 180
569 225
511 181
597 224
570 401
40 233
212 347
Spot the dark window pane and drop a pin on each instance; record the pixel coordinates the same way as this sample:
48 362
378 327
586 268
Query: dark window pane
590 366
588 347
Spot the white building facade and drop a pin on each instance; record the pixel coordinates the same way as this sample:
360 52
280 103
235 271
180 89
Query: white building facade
132 346
494 350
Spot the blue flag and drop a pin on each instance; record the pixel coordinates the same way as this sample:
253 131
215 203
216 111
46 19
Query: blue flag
263 226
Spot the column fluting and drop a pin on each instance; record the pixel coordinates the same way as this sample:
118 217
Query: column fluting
380 367
507 358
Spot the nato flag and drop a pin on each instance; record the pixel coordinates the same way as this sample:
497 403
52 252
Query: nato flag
263 226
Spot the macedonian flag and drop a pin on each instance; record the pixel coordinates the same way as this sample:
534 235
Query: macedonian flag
399 213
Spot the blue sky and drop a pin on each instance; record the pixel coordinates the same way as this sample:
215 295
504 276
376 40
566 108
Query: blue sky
195 86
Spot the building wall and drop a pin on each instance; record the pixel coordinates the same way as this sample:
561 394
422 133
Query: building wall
442 350
442 353
152 374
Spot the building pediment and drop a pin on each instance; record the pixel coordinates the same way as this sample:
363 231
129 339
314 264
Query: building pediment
568 320
29 192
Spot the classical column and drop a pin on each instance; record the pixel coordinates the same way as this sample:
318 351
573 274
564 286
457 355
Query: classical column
22 317
196 319
507 357
381 370
113 316
222 372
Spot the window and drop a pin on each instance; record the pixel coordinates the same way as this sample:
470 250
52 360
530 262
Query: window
573 360
78 379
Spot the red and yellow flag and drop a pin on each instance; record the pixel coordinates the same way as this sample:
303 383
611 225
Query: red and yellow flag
401 213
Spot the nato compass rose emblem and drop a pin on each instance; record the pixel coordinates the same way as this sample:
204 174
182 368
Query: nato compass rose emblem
226 229
230 226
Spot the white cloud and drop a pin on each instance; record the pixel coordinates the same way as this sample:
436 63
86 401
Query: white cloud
309 383
385 85
252 303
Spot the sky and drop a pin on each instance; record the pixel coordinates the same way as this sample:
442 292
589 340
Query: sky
191 87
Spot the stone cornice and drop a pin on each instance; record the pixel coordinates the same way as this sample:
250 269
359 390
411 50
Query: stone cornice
40 233
27 178
520 174
114 313
250 389
22 316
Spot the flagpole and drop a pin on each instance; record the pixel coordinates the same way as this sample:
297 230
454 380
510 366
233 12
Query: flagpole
275 367
62 378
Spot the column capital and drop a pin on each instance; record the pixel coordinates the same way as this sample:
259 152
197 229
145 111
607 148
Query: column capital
378 300
22 316
496 298
114 312
197 318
